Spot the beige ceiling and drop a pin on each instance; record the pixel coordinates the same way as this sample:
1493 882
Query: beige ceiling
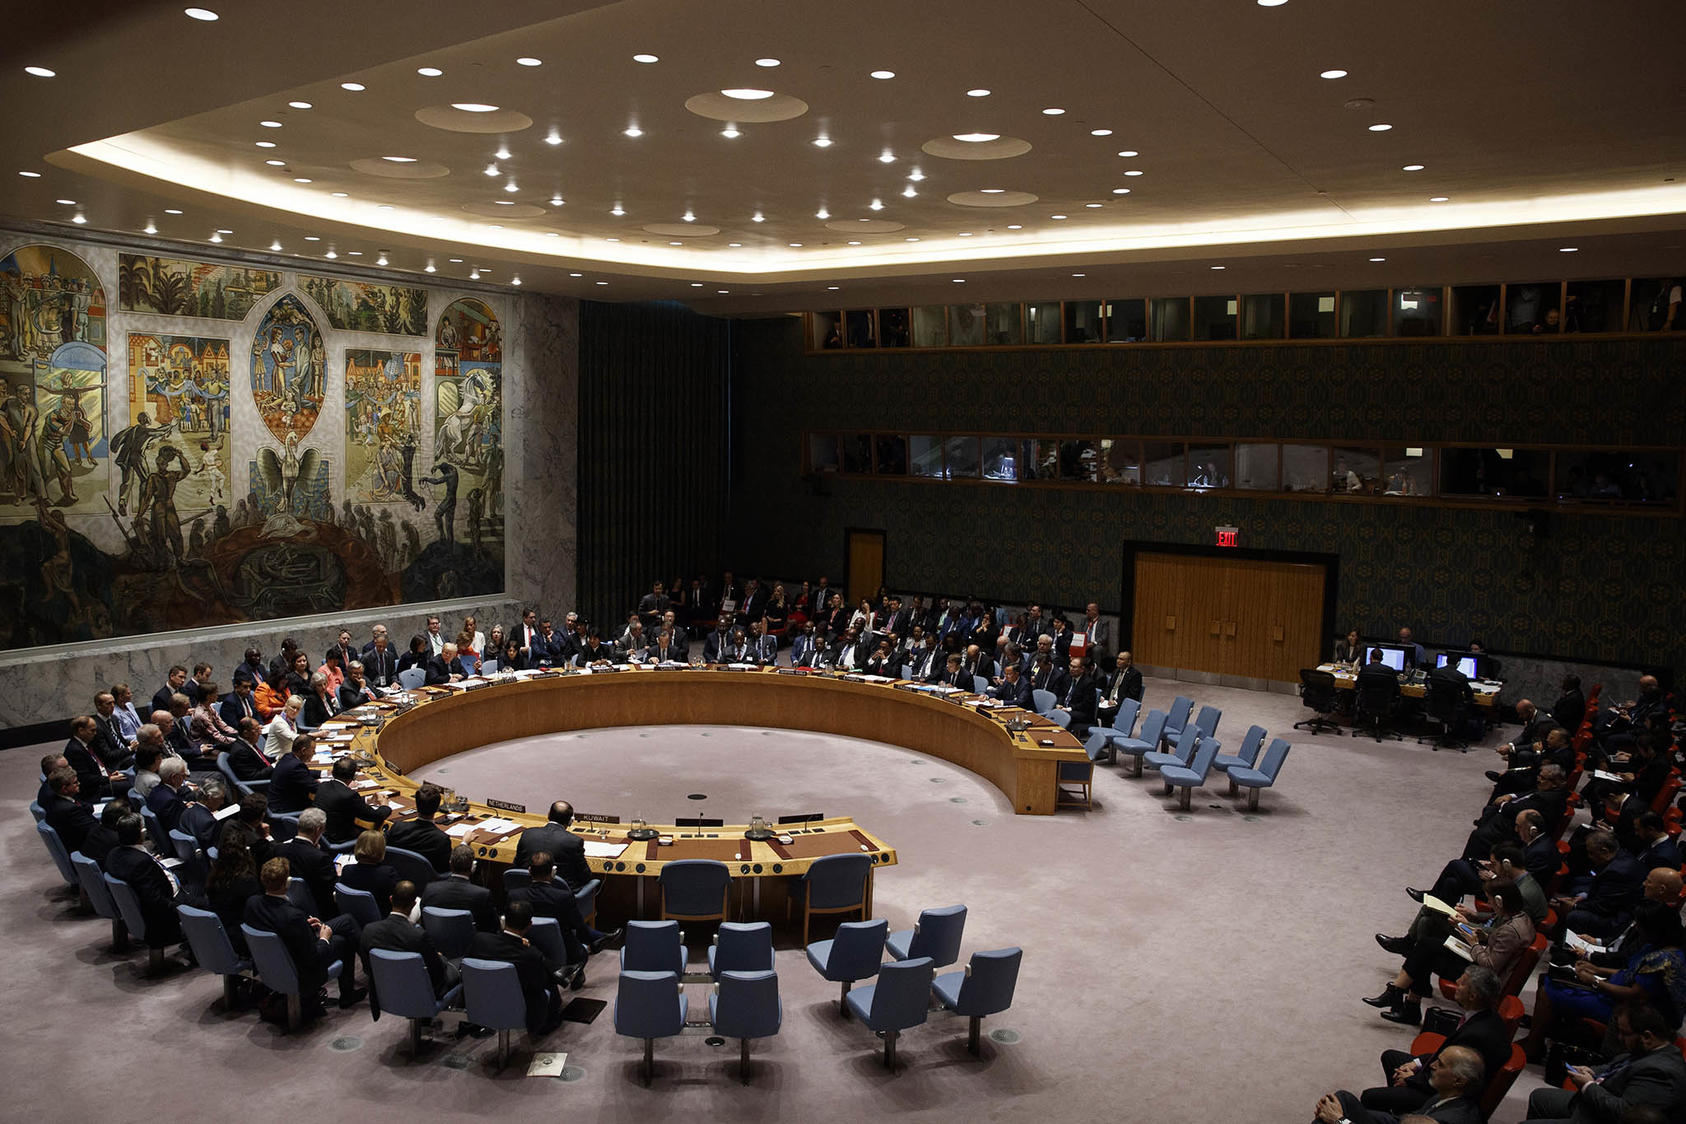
1543 126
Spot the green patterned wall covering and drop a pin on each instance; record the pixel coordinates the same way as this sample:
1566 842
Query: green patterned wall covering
1593 587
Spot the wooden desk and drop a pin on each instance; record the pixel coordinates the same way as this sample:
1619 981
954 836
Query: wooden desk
1485 695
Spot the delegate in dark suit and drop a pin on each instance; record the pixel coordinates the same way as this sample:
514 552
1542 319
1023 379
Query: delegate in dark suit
553 899
438 671
249 763
1615 890
88 768
566 849
311 955
1013 692
1079 700
201 823
317 710
112 750
1654 1078
153 889
1457 1110
1484 1032
457 892
167 804
375 878
544 1004
233 708
380 665
425 838
292 785
344 808
394 933
315 864
351 695
73 819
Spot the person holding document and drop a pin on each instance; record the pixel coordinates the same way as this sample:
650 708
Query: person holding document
1451 946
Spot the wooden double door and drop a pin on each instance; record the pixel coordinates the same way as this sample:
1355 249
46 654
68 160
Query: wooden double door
1248 618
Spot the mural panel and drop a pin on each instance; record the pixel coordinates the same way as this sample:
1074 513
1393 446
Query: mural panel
362 306
289 369
178 397
383 425
173 287
468 441
53 447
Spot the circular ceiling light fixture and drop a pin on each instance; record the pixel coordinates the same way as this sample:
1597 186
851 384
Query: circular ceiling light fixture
475 106
1380 127
980 92
353 87
769 63
300 105
1100 132
747 93
429 71
1052 111
203 15
646 58
40 72
883 75
528 60
1412 168
1332 74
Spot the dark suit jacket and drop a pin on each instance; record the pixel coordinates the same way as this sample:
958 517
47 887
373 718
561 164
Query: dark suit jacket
316 710
344 808
201 823
1051 678
1132 683
1664 852
984 666
161 701
72 819
1542 859
99 843
1485 1033
152 889
351 695
1013 694
314 864
425 838
89 769
1079 698
564 846
167 804
232 712
438 671
284 919
1657 1078
453 892
109 745
1617 888
292 785
393 933
714 643
247 764
1569 710
377 878
380 668
537 986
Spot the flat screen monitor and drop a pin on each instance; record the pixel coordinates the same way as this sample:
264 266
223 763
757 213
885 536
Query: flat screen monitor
1393 657
1466 661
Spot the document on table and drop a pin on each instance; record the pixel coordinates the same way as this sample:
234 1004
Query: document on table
499 826
462 829
596 850
1600 774
1581 945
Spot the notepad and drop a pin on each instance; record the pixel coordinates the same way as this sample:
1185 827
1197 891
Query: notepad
461 829
1600 774
595 850
343 861
225 812
1434 903
1453 944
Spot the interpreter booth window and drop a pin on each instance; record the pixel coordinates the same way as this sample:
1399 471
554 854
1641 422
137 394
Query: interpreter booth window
1611 476
1077 461
1169 319
1357 471
860 329
965 325
1164 464
1534 309
1008 458
1305 468
1261 316
890 454
1593 306
925 456
962 458
828 330
1255 466
1005 323
1046 464
1652 302
857 453
1126 321
1120 461
1214 318
822 452
1417 312
1209 466
1409 471
1083 322
1494 473
1475 310
1364 314
1042 321
1311 316
893 327
930 326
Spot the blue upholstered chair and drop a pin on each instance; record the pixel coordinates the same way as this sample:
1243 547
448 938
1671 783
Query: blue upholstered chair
277 970
1262 777
936 935
1190 778
980 685
244 788
492 995
452 930
516 879
1102 739
410 866
835 884
694 890
1208 719
741 947
586 899
38 812
653 946
411 678
298 892
1152 728
1177 717
746 1005
1042 701
1182 751
1060 718
1246 758
128 907
649 1005
61 855
984 988
546 936
155 831
194 867
283 826
854 954
213 950
899 999
92 880
402 987
360 904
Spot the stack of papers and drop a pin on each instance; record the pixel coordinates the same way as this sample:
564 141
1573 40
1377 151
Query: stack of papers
1576 942
460 830
595 850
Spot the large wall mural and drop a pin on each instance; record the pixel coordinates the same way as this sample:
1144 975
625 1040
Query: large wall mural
212 489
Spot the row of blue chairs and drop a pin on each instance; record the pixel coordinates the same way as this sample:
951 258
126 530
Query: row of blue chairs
1185 752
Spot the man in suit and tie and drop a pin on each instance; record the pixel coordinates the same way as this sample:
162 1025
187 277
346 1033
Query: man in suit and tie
1078 699
1094 629
565 848
314 945
199 818
1612 894
848 653
177 681
717 641
763 646
667 648
421 834
977 662
1481 1029
537 975
527 635
434 639
550 898
397 933
345 808
898 622
80 753
1658 847
652 605
251 668
169 797
238 703
954 673
457 891
1046 674
67 813
595 652
356 690
1125 682
343 651
1455 1079
1012 688
310 860
545 649
102 838
807 648
634 646
380 659
114 750
246 757
156 889
293 783
445 667
1650 1072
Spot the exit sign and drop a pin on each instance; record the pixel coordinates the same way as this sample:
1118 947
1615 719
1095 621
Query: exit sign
1226 535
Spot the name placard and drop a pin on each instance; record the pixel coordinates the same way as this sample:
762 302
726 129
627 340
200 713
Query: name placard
594 817
504 805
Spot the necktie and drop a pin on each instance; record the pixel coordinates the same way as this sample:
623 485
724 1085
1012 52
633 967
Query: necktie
255 749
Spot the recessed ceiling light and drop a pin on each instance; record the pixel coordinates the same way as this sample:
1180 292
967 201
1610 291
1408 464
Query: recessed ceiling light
338 194
1333 74
980 92
734 245
1015 226
883 75
215 237
886 157
552 234
172 211
504 202
429 71
275 246
1100 132
474 106
354 87
767 62
1568 249
203 15
557 201
1378 259
1121 191
331 255
689 216
602 282
746 93
964 234
832 288
494 226
958 280
676 243
1439 199
908 192
492 170
399 159
1412 168
528 60
1056 216
1219 267
302 179
1052 111
312 238
875 205
1080 275
382 259
66 202
822 214
758 217
730 132
646 58
796 245
722 292
30 175
40 72
78 219
576 275
474 275
276 163
991 190
1129 152
822 141
516 280
611 239
384 207
502 153
1380 127
1092 206
1272 3
617 210
264 144
633 131
553 138
270 124
510 187
150 227
854 241
976 138
301 105
1133 172
456 261
224 230
429 268
916 175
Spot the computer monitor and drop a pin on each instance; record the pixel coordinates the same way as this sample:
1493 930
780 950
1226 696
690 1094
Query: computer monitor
1392 656
1466 661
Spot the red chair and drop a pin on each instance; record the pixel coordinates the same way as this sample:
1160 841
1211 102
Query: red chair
1525 964
1666 793
1501 1082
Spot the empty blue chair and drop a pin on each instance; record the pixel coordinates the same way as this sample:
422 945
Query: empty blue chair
1190 778
452 930
61 856
1079 773
653 946
128 907
649 1005
740 947
402 987
411 678
1102 738
980 685
1262 777
899 999
277 971
213 950
488 666
746 1005
410 866
694 890
360 904
1182 752
492 995
1060 718
984 988
92 880
546 936
155 831
854 954
1246 758
586 899
935 935
1042 701
1177 716
1153 727
516 879
835 884
1208 721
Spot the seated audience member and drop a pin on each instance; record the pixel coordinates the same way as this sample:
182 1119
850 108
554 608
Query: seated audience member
114 749
347 811
148 753
250 827
293 783
199 817
380 660
156 889
495 644
321 704
80 755
239 704
978 662
1648 1075
1012 689
1078 700
549 898
344 648
67 813
807 649
849 652
176 681
194 688
356 690
123 709
1655 973
269 699
715 644
882 661
174 728
310 859
1603 908
545 650
1482 1030
1524 752
49 762
332 671
1569 711
634 646
278 735
232 882
416 657
537 975
370 871
1549 799
446 667
1046 674
1494 945
1662 885
1657 848
205 725
313 944
457 891
281 666
395 932
297 679
169 798
103 836
1636 712
1123 682
1504 863
251 668
1376 676
1454 1078
421 834
763 645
